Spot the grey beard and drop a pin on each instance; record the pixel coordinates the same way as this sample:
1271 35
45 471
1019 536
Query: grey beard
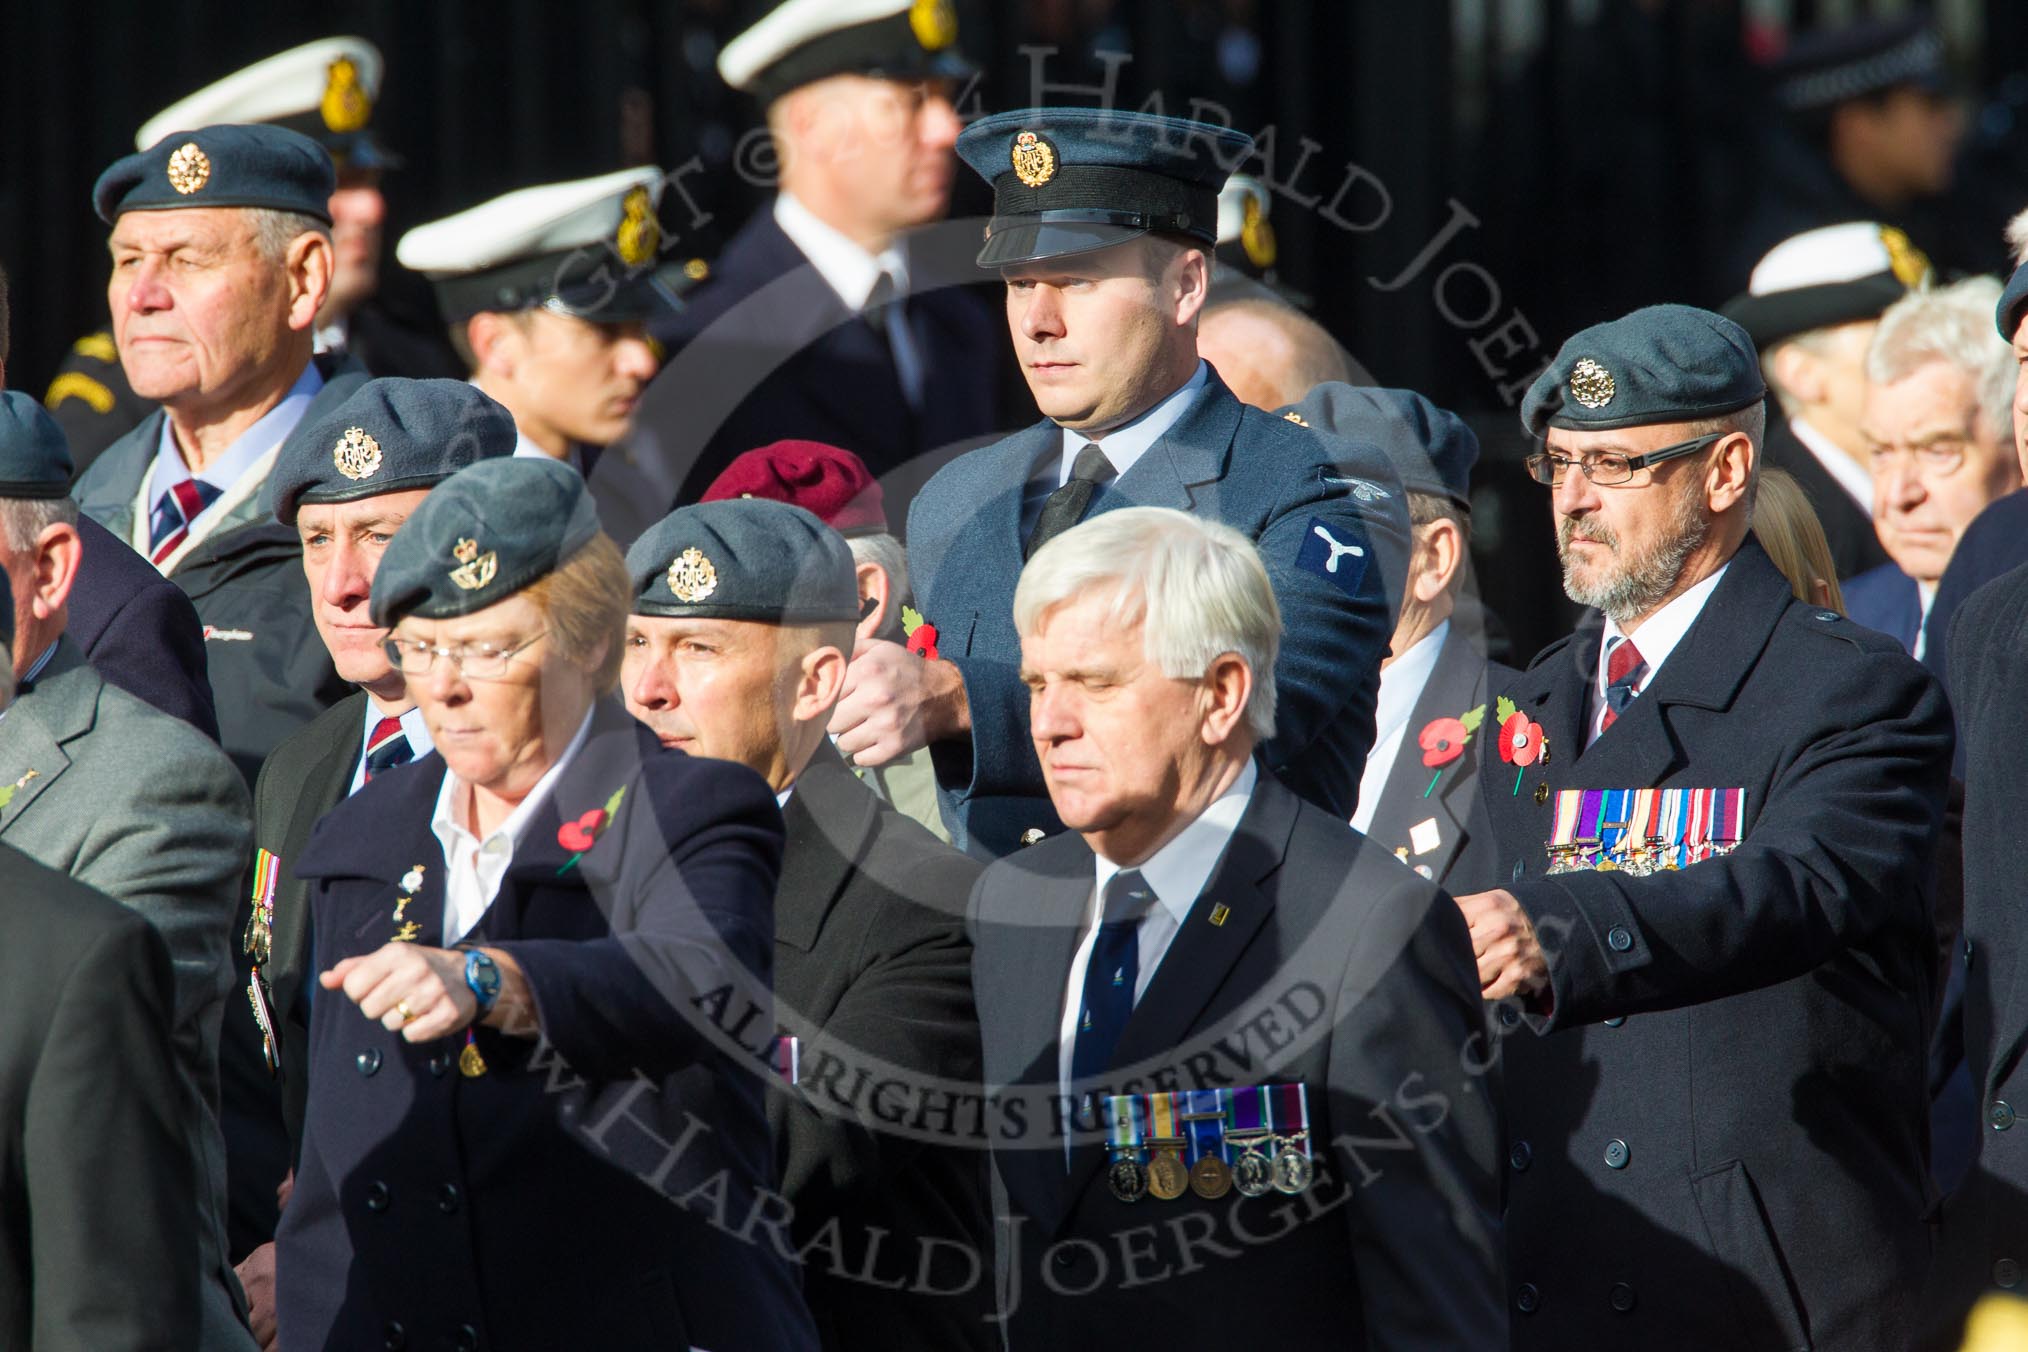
1638 585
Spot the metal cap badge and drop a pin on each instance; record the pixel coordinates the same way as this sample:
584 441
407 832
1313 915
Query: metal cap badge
1591 384
356 454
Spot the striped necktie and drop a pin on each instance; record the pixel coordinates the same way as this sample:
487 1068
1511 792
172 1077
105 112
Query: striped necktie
169 522
1624 665
386 747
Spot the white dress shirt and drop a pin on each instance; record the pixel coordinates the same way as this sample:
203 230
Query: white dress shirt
1401 683
852 272
1925 593
473 868
1656 639
1128 442
412 727
1850 474
1176 873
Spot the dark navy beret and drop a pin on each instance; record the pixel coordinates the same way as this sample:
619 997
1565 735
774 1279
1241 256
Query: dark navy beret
1663 364
388 435
1071 180
1431 448
482 535
252 165
34 454
2008 313
744 559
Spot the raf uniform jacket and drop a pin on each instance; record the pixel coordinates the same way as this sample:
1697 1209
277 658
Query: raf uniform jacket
768 337
1278 484
1444 830
873 975
145 809
1848 528
98 1213
1312 958
604 1183
139 629
270 673
1717 1115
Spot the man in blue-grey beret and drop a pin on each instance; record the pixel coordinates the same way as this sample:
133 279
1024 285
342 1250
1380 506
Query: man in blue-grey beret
221 257
345 484
1714 963
1102 231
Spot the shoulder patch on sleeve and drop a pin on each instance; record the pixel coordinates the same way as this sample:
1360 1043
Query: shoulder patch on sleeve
1335 551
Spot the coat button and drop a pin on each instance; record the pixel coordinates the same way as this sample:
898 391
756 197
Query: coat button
468 1338
1518 867
2007 1273
394 1336
1618 940
1616 1154
1968 952
1622 1297
447 1199
1541 794
2000 1115
439 1064
1616 1022
368 1061
1519 1156
377 1196
1526 1298
1509 1016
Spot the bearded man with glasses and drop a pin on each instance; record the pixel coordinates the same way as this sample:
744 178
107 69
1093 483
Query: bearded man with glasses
1714 963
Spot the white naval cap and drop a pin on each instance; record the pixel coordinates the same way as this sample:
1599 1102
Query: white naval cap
590 247
1834 274
801 41
1243 219
325 89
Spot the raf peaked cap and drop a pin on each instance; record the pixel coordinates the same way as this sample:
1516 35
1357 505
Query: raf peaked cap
802 41
827 481
1431 448
388 435
482 535
1835 274
221 166
1070 180
34 455
744 559
324 89
1663 364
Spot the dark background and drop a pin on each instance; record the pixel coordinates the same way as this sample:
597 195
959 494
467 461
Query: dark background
1588 156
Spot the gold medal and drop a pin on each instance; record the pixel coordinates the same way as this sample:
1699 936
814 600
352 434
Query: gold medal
1209 1178
1167 1178
1127 1179
471 1065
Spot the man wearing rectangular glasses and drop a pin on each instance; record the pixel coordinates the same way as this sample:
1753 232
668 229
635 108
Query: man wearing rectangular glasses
1714 964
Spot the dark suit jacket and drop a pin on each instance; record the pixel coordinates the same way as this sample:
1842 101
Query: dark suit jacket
1274 482
98 1199
1994 544
1848 528
590 1188
1466 857
873 972
1887 600
1722 1122
1310 957
139 629
764 350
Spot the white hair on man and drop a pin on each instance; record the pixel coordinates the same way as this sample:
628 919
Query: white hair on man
887 554
1197 588
1952 324
2017 237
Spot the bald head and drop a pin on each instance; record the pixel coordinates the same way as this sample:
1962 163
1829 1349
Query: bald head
1270 354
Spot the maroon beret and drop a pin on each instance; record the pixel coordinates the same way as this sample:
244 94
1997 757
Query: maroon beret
830 483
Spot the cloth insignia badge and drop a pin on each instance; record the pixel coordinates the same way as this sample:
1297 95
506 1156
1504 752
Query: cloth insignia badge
1342 562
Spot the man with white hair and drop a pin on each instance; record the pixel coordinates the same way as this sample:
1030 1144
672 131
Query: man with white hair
1938 426
1208 985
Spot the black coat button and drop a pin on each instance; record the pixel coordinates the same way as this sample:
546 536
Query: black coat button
1622 1297
1509 1016
2000 1115
1616 1154
1614 1023
468 1338
1519 1156
2007 1273
1526 1298
439 1064
394 1336
368 1061
1618 940
447 1199
377 1196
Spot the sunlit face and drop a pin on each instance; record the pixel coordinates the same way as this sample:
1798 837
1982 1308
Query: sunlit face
342 545
358 223
1624 546
719 688
1935 465
576 379
198 312
1087 330
889 143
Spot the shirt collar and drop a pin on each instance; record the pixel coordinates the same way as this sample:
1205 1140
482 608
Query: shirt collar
1130 441
1179 870
266 434
1402 680
845 267
450 831
1850 474
1660 632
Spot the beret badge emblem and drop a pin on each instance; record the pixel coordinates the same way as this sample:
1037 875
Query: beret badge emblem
356 454
1591 384
189 170
691 576
474 569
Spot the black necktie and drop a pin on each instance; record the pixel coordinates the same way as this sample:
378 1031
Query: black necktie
881 302
1068 504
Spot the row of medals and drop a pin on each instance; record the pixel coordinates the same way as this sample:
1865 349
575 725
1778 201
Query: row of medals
1584 856
470 1063
1257 1172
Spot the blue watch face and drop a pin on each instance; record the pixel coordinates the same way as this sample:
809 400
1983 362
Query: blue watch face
482 974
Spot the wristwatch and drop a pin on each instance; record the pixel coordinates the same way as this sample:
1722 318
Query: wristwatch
482 974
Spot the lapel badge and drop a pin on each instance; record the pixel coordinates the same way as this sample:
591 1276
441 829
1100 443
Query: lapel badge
474 569
1591 384
1219 913
345 106
1541 794
1296 418
640 234
1034 159
412 881
189 170
356 454
692 576
7 794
